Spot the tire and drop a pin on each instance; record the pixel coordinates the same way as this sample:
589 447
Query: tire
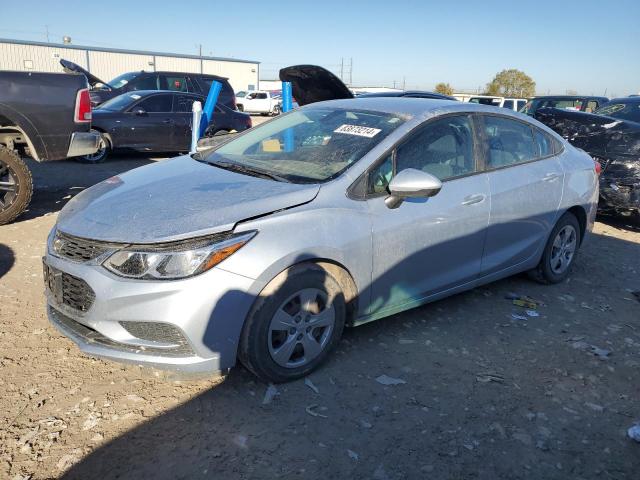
276 110
240 107
548 270
16 185
103 151
278 355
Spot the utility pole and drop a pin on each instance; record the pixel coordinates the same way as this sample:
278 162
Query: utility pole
342 69
351 72
46 29
200 54
394 84
404 83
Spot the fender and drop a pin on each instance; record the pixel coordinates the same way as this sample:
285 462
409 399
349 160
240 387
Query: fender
23 125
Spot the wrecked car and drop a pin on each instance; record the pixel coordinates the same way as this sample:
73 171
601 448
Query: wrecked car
336 214
611 135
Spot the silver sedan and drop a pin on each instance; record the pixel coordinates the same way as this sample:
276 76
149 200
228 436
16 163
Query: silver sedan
264 248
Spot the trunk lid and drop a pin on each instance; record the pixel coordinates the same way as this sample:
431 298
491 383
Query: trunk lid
311 83
71 67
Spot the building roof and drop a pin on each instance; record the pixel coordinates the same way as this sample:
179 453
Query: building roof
120 50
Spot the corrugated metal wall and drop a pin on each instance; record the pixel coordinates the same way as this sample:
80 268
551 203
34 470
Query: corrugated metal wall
107 65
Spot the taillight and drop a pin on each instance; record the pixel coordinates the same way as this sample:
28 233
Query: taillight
597 167
83 106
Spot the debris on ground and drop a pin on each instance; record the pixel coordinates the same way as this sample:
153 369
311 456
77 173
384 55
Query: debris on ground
523 301
269 395
592 349
386 380
489 377
353 455
634 432
309 383
311 410
517 316
532 313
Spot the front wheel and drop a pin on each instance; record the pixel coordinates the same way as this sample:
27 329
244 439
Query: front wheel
560 251
16 185
276 110
101 154
296 322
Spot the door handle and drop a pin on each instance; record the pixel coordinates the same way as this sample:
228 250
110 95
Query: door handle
550 177
471 199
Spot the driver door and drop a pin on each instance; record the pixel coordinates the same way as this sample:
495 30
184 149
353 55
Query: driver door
149 124
428 246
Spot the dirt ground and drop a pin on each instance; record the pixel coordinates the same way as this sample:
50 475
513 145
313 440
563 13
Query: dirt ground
480 394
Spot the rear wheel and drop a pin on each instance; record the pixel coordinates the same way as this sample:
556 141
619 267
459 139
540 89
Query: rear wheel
276 110
104 147
16 185
560 251
294 325
240 107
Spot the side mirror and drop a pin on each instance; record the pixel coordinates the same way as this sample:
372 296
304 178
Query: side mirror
411 183
140 111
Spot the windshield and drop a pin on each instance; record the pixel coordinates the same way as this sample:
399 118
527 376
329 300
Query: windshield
121 80
241 94
307 146
119 103
623 111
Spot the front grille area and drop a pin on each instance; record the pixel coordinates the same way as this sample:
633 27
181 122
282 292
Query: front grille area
157 332
77 249
68 290
89 335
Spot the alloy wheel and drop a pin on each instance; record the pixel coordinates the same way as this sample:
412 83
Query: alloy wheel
9 186
301 328
563 249
100 153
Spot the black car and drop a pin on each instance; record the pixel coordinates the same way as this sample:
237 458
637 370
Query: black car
198 83
312 83
580 103
155 121
409 93
611 135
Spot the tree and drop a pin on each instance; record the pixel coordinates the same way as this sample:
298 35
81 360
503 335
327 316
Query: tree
444 88
512 83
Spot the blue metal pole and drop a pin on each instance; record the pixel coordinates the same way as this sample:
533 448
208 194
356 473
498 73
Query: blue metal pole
287 106
207 111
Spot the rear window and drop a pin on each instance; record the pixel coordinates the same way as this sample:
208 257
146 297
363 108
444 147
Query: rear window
622 110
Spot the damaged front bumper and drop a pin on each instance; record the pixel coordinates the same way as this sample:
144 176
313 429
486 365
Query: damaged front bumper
620 187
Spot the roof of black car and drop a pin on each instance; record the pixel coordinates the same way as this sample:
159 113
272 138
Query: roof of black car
566 96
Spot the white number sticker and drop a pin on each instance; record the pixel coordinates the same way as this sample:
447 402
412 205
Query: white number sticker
357 130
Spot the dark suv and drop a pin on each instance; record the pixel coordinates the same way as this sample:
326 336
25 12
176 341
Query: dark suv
102 91
580 103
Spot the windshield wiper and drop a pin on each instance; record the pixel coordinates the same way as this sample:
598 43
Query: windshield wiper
256 172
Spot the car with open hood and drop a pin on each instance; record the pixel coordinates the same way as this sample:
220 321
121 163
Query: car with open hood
263 248
186 82
611 135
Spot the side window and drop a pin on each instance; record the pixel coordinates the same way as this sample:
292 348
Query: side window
380 176
147 82
183 103
444 148
508 104
177 84
592 105
156 104
261 96
521 103
509 142
543 143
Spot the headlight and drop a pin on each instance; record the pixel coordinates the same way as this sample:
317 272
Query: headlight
175 260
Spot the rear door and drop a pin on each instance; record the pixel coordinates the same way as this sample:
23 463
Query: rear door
428 246
183 116
525 179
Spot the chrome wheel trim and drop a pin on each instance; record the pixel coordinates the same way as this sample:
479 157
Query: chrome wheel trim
9 186
563 249
301 328
100 153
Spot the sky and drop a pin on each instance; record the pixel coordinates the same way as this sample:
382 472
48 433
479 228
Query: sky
588 46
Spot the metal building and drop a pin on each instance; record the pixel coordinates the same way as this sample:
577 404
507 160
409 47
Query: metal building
108 63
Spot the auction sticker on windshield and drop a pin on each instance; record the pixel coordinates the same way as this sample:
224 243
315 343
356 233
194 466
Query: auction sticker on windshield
357 130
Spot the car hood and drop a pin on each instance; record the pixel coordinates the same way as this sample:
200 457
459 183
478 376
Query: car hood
311 83
175 200
71 67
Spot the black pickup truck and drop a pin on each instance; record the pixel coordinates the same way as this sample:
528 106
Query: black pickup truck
46 116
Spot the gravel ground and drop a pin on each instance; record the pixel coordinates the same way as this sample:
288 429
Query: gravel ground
475 392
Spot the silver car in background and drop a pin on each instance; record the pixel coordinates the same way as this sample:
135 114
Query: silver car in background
334 215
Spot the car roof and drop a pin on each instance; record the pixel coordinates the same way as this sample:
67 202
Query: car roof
568 97
146 93
411 106
634 99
